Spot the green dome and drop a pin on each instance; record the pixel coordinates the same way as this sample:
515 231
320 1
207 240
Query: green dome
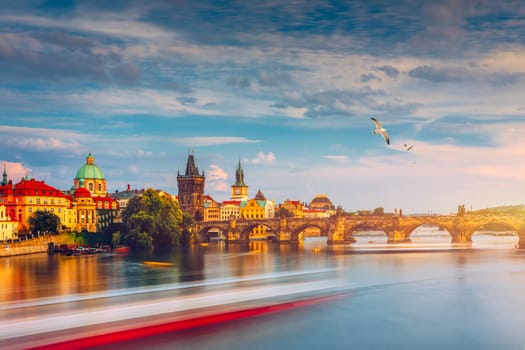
90 170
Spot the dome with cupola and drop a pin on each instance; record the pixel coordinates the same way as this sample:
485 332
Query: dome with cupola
89 170
91 177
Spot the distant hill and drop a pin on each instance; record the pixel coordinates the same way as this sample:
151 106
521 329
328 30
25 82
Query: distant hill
505 209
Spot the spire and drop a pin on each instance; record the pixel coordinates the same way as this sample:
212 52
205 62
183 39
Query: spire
4 176
239 175
191 168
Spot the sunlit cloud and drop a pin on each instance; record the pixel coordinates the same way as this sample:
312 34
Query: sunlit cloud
262 158
15 171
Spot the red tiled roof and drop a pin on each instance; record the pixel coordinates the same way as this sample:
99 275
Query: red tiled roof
31 187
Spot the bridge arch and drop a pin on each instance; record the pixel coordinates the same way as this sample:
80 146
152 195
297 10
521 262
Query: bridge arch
415 232
496 224
250 226
298 231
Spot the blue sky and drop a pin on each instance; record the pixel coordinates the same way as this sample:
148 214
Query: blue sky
286 86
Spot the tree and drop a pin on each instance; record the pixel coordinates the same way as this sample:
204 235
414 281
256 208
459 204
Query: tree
44 221
283 212
152 219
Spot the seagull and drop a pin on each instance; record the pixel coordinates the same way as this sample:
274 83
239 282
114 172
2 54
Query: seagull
380 130
408 148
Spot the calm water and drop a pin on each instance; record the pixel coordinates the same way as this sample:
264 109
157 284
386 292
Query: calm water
463 299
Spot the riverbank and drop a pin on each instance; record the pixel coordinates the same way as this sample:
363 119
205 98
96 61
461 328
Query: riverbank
33 246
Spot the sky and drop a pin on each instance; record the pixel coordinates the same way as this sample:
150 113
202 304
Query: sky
286 86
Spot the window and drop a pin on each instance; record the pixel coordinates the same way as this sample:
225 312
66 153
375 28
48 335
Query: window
91 187
100 187
38 201
30 209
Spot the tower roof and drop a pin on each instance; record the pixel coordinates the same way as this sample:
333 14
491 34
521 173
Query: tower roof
260 196
191 168
239 176
89 170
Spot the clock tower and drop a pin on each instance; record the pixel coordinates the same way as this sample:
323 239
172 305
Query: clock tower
239 188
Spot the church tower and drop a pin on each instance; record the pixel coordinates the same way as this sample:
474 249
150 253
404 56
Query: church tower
191 190
239 188
4 175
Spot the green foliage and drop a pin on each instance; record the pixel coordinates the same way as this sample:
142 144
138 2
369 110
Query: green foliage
44 221
116 239
282 212
151 219
186 234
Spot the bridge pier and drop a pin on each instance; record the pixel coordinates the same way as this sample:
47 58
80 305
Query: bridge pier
397 236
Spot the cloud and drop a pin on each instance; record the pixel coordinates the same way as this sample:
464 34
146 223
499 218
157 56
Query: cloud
212 140
441 75
38 139
334 102
133 169
338 158
369 77
215 178
390 71
48 56
274 78
262 158
15 171
239 81
144 154
216 173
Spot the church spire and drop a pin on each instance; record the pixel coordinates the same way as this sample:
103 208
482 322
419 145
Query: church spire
4 175
191 168
239 175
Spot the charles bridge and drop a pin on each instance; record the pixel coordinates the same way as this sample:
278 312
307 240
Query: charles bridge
341 227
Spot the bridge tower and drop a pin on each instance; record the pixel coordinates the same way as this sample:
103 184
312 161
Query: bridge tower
191 190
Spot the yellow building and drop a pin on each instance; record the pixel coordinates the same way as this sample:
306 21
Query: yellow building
94 210
293 207
230 210
28 196
257 208
8 227
212 209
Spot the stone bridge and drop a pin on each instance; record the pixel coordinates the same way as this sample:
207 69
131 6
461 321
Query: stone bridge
340 228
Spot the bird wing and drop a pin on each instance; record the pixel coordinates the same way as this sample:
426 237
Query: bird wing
385 136
409 148
376 122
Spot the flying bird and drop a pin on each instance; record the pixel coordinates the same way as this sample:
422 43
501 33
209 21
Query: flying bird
408 148
380 130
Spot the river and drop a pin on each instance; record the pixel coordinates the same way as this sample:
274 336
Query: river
427 295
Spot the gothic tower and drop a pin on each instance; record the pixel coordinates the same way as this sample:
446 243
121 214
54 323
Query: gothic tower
239 188
191 190
4 175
